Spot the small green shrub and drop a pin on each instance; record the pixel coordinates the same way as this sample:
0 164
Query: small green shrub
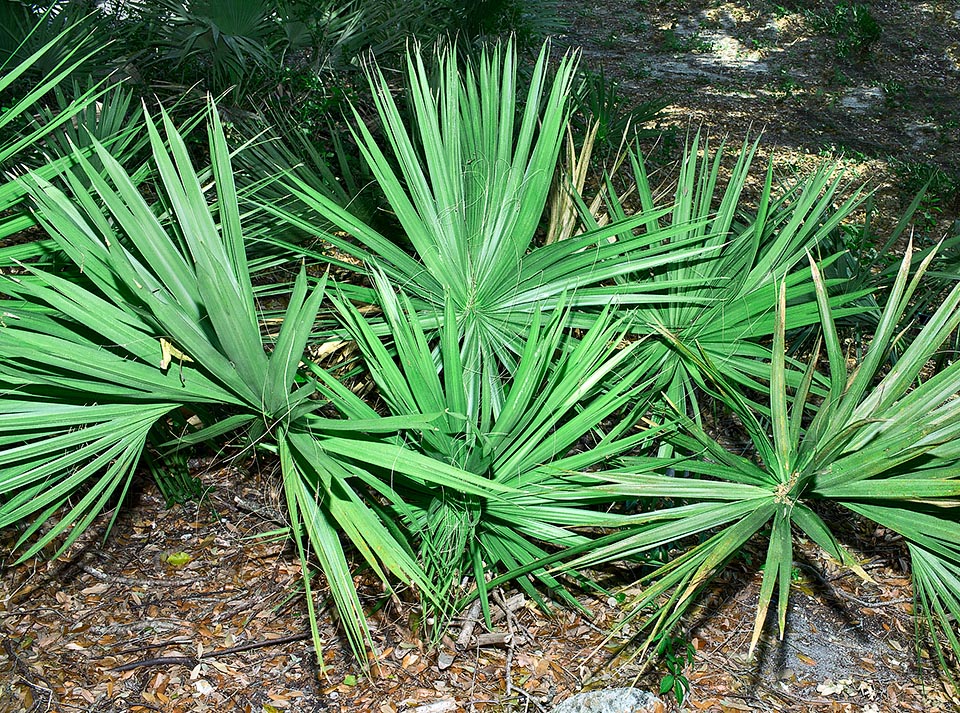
228 44
514 380
165 320
673 41
560 395
851 23
940 191
676 654
174 479
468 182
111 121
24 86
63 31
724 309
599 98
528 21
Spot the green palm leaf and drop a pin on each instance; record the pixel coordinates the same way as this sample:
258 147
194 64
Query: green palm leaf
468 185
882 444
165 319
724 301
15 145
522 489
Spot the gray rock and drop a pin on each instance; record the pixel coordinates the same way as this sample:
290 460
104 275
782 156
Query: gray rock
445 660
612 700
861 99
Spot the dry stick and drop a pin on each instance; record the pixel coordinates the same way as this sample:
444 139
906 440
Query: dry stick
263 511
874 605
494 638
508 607
162 661
509 642
469 624
531 699
131 581
154 625
191 661
472 618
473 682
175 641
524 632
828 583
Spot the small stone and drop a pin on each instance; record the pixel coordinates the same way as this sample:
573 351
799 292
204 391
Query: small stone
612 700
445 660
861 99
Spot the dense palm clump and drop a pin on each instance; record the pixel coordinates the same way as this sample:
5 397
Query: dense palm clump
532 408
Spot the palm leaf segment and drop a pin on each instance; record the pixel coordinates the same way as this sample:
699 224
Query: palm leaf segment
232 40
885 449
165 320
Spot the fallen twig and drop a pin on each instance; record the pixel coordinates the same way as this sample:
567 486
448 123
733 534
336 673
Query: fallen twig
508 614
507 607
132 581
193 661
469 624
162 661
530 699
494 638
45 699
263 511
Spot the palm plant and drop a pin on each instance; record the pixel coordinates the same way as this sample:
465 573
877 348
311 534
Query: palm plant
164 322
869 263
227 43
468 189
568 409
285 148
599 101
567 200
724 304
109 120
376 27
529 21
58 31
19 135
881 443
